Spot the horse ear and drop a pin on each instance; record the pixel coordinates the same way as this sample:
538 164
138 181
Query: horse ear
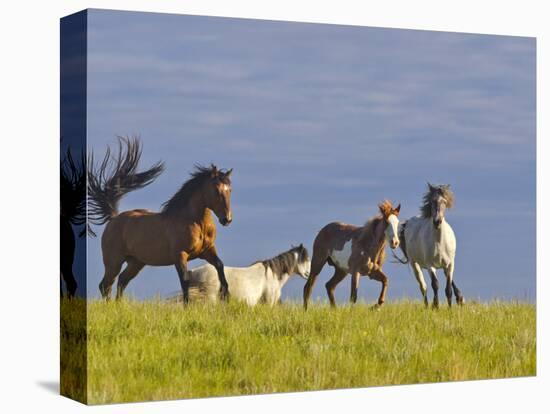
228 173
383 209
430 186
214 171
398 208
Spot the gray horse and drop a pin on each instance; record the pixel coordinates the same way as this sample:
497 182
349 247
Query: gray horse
429 242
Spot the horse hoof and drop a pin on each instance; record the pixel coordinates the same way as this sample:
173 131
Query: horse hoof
376 307
224 296
460 301
435 305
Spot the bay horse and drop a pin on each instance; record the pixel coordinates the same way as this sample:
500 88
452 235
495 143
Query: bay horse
260 282
354 250
428 242
73 213
182 231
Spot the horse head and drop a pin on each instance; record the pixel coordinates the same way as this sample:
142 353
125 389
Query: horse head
303 262
390 214
218 194
436 201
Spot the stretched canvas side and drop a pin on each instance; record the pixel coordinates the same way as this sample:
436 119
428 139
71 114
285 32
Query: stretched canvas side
73 334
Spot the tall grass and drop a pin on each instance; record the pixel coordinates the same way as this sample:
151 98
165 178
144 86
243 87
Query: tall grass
156 350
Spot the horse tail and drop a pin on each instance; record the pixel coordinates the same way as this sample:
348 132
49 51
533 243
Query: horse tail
203 286
116 176
402 245
73 189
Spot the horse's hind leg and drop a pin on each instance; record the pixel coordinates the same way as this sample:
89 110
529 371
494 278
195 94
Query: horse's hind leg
338 276
458 294
181 268
317 262
435 287
133 267
111 272
422 283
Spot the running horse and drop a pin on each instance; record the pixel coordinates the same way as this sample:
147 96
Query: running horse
428 242
354 250
182 231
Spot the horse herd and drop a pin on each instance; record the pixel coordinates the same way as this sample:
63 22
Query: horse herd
184 230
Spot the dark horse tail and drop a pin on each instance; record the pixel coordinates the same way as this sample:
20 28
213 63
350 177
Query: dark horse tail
73 189
116 176
402 245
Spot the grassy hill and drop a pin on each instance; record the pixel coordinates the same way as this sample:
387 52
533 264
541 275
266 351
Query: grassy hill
156 350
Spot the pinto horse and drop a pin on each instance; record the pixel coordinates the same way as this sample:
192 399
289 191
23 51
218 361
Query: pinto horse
261 282
182 231
354 250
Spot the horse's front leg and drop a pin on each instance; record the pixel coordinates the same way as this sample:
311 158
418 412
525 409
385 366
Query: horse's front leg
421 282
377 274
211 256
181 267
449 289
435 286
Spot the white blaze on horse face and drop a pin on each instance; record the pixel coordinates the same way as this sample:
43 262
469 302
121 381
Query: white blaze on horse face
302 269
392 236
341 257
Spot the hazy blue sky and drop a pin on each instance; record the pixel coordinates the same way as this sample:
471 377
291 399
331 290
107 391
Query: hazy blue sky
320 123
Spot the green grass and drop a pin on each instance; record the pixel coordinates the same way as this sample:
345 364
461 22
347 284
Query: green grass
155 350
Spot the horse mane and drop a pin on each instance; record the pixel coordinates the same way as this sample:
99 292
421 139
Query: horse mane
369 229
385 207
444 190
285 262
73 189
373 244
198 177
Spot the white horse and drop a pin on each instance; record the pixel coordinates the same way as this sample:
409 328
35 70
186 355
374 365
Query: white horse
260 282
429 242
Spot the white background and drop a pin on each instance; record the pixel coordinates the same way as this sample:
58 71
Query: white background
29 133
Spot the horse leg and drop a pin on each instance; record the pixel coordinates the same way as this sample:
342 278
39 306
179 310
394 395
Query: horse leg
338 276
67 250
381 277
211 256
435 287
181 268
420 279
317 262
133 267
111 272
68 277
354 286
458 294
448 289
